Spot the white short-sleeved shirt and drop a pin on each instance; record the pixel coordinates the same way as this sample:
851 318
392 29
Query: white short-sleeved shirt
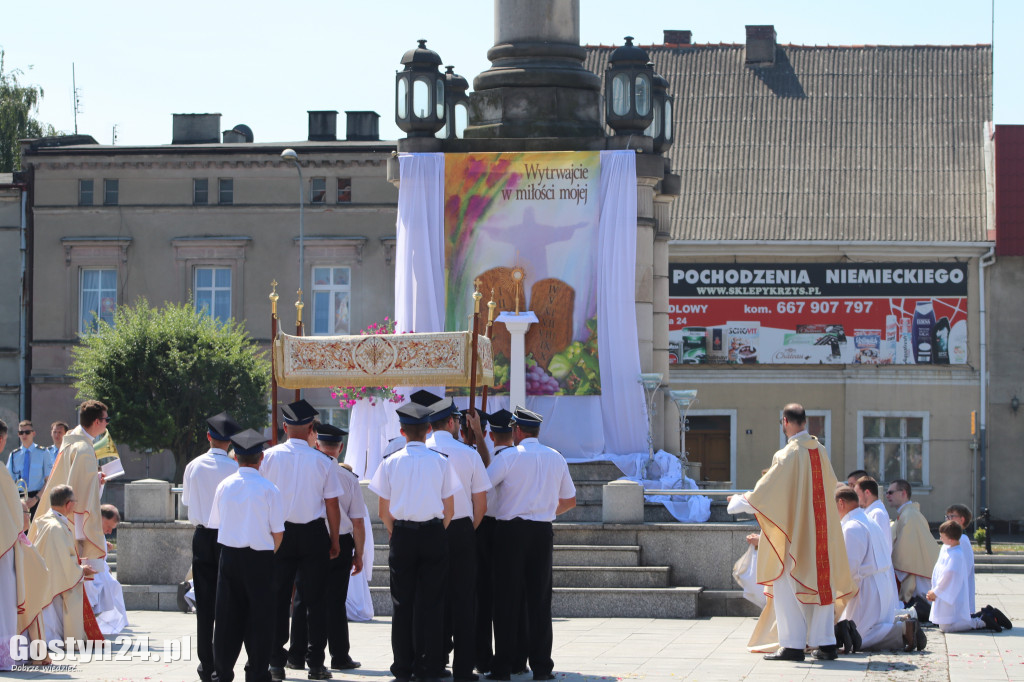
416 480
492 494
202 476
469 467
246 509
530 479
351 501
305 478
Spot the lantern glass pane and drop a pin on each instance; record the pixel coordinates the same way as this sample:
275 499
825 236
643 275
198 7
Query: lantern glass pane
420 98
439 98
400 105
655 128
668 119
461 118
643 95
620 94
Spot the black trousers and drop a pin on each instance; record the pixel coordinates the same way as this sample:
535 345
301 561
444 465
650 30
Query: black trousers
205 561
301 562
338 571
522 569
243 579
418 559
460 605
485 602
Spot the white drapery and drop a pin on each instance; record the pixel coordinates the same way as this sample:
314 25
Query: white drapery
580 427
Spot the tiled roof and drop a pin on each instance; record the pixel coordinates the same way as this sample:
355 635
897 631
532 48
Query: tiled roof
830 143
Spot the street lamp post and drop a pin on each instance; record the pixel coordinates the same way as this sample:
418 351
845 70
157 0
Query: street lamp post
291 155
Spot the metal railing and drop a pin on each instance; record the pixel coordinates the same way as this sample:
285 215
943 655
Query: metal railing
714 492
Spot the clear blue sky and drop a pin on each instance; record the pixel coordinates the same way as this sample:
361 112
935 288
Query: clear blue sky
266 63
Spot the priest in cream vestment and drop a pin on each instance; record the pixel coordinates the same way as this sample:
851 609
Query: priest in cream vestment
77 467
23 576
914 549
54 536
801 558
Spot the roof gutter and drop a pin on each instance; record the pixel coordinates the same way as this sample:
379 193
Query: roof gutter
987 260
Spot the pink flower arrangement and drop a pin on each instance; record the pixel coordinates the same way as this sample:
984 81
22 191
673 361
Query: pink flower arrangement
347 396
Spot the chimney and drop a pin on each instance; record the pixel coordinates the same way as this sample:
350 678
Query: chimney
233 136
196 129
362 125
675 37
323 126
760 46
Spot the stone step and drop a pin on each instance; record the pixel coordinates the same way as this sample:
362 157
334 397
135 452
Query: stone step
998 568
581 576
604 602
594 471
565 555
998 559
150 597
726 603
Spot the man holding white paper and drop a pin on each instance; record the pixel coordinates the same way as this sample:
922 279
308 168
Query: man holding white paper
77 466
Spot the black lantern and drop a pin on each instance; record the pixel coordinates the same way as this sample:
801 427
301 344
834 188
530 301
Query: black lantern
456 103
419 93
628 85
661 127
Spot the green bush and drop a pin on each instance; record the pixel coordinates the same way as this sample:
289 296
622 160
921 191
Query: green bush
980 535
163 371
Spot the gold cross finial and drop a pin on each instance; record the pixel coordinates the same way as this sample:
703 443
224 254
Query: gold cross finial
273 299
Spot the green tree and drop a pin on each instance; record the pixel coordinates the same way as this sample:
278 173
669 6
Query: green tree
17 103
163 371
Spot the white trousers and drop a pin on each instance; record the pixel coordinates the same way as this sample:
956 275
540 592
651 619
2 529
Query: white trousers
53 619
963 625
801 625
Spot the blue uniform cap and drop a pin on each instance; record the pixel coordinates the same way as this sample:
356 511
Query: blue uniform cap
500 421
329 433
443 409
298 413
525 417
425 398
411 414
222 426
248 442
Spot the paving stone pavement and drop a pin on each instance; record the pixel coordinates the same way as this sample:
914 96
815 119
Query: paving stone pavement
590 649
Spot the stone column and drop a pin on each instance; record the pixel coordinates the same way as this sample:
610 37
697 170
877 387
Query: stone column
536 86
517 325
649 171
666 427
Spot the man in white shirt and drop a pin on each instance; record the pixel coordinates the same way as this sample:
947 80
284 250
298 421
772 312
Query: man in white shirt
867 496
470 505
352 537
248 514
416 487
199 485
534 486
873 608
310 493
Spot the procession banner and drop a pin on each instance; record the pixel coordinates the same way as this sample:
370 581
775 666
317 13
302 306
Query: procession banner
525 226
817 313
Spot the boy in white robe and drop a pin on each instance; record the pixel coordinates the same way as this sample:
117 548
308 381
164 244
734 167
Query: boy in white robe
104 592
962 515
951 609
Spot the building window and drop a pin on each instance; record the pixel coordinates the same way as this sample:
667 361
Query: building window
819 425
85 192
213 292
227 191
200 191
317 190
110 192
344 190
895 445
98 298
331 300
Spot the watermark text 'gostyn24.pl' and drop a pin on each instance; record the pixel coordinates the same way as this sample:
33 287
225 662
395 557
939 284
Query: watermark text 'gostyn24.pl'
121 649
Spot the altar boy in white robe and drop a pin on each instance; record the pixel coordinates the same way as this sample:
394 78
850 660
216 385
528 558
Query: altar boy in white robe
873 608
951 609
104 592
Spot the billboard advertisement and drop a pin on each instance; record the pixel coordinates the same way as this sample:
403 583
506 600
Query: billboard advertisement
818 313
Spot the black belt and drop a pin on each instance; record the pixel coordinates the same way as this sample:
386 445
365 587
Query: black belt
399 523
306 524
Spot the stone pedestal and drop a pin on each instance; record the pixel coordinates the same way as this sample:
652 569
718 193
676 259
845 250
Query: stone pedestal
517 325
622 502
148 500
154 553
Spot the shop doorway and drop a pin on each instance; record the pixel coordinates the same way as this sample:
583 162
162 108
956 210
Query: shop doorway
709 441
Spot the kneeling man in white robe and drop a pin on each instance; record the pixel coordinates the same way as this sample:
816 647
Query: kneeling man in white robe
104 592
873 608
